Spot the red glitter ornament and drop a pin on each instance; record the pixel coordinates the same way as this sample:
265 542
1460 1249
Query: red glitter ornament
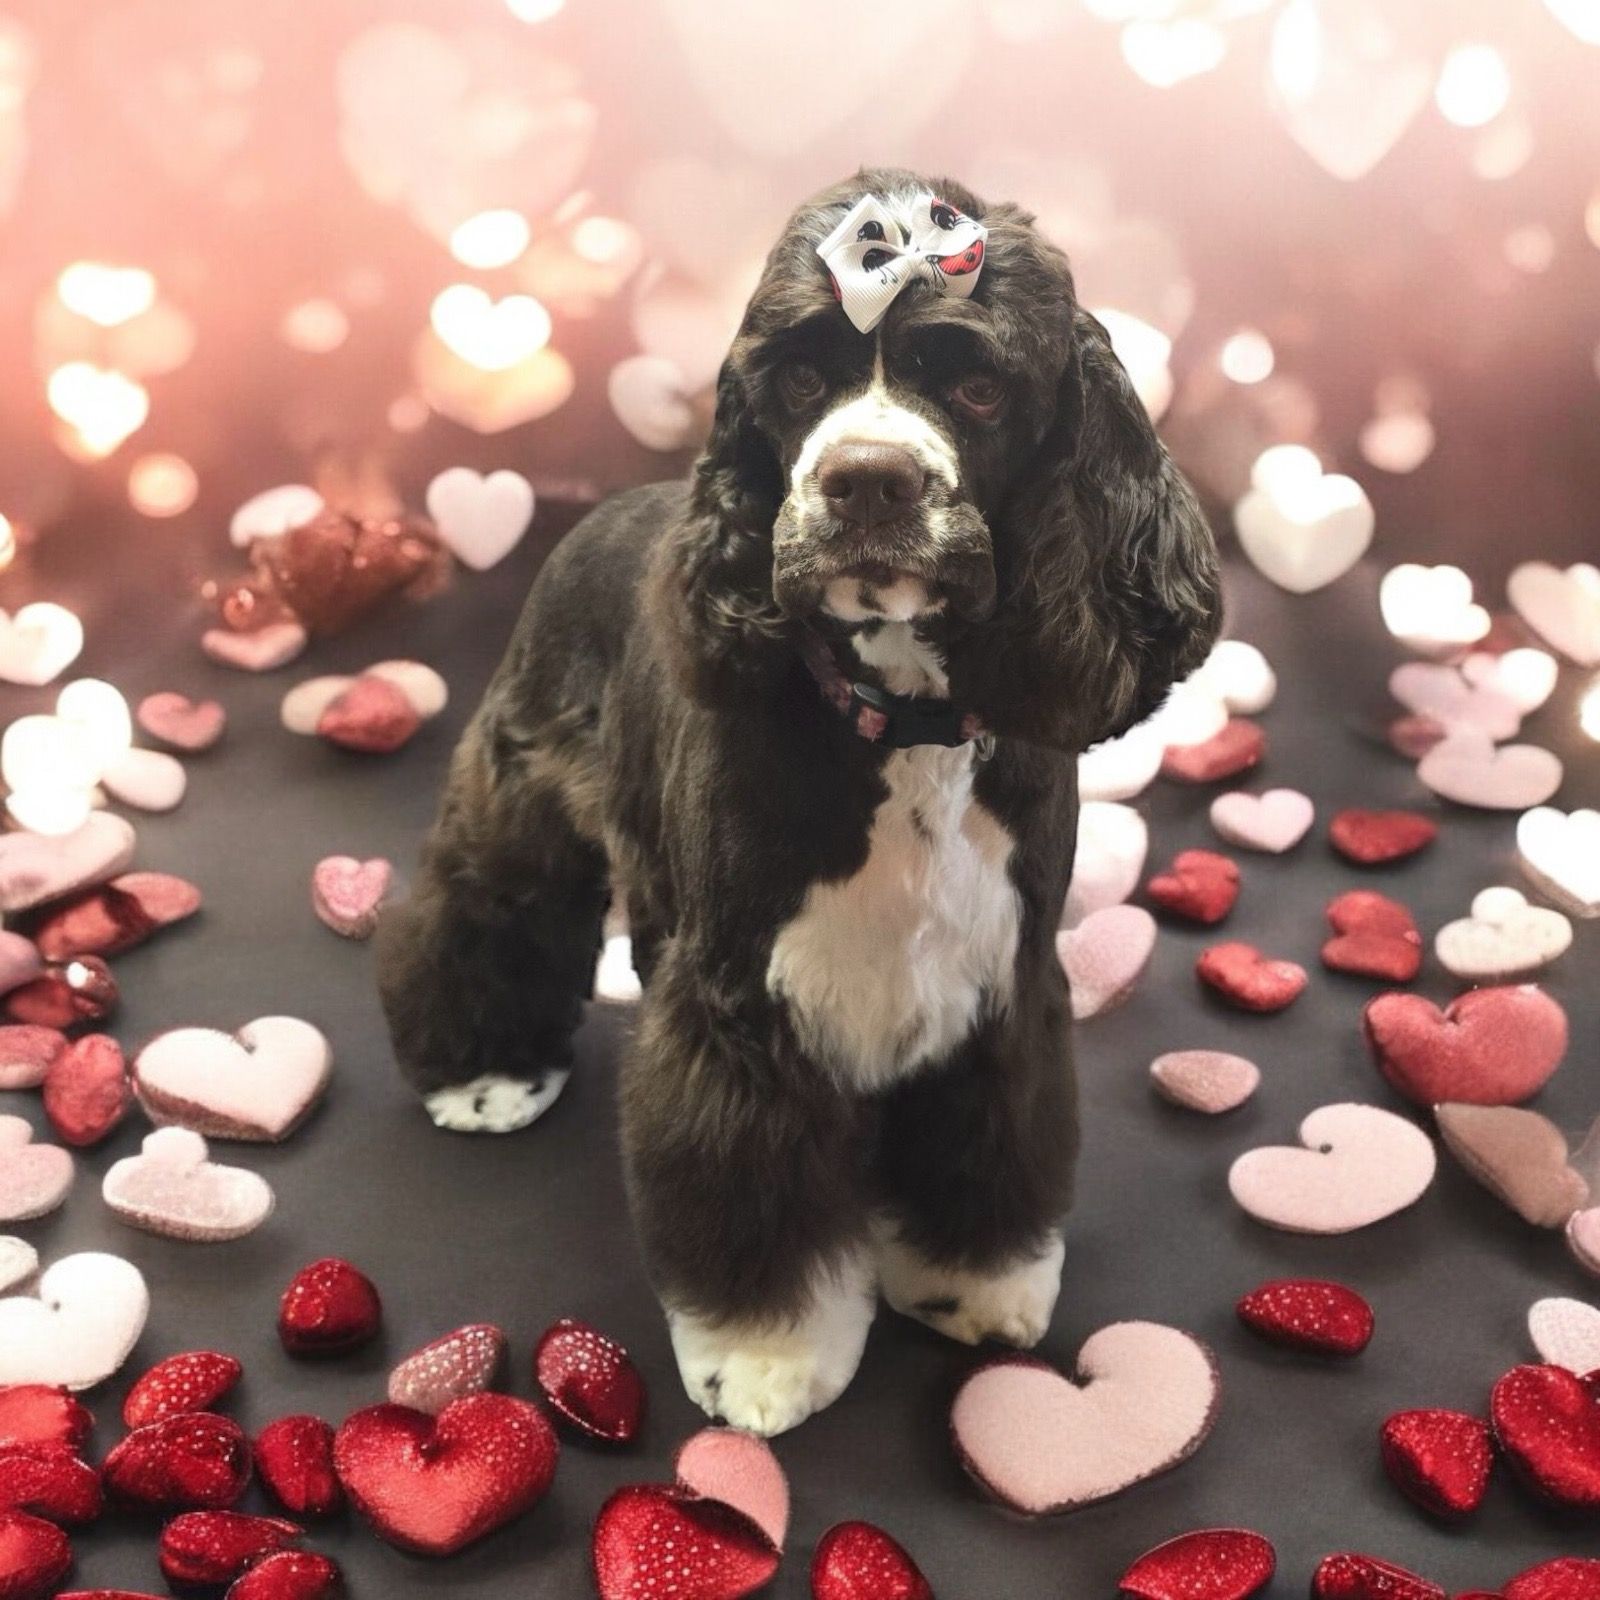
1565 1578
293 1575
1370 838
1356 1577
213 1547
49 1481
1440 1459
37 1413
1235 749
1253 982
658 1542
34 1556
86 1090
1373 937
1548 1425
1309 1314
68 995
373 716
328 1309
1200 885
194 1381
856 1561
195 1462
294 1456
590 1380
1212 1564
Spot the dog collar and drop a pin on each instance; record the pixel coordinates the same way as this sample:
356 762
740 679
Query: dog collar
896 721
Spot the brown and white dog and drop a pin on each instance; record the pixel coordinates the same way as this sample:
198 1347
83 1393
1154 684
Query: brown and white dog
812 716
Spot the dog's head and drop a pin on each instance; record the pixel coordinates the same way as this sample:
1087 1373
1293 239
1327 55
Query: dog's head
977 464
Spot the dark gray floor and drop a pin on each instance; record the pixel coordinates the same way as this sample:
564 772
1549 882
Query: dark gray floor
525 1229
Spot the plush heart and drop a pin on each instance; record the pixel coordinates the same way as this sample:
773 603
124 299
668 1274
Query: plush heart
1489 1047
114 917
26 1052
291 1575
1519 1156
80 1325
172 1188
654 1539
34 869
48 1481
1239 676
1445 697
1212 1081
1440 1459
39 643
67 995
294 1457
346 893
1359 1165
1112 842
329 1309
1565 1578
434 1485
1563 608
1430 609
1566 1333
1548 1426
1120 768
461 1363
274 512
209 1548
1373 937
1560 852
480 519
590 1380
1104 956
34 1178
1213 1564
1190 715
856 1561
1239 746
1583 1238
257 1085
148 780
1525 677
739 1470
1467 768
371 716
651 399
1142 1400
43 1414
34 1556
1310 1315
194 1381
1244 977
1199 885
194 1462
19 1266
1371 838
1274 822
1305 545
1503 937
86 1091
1348 1576
185 724
261 650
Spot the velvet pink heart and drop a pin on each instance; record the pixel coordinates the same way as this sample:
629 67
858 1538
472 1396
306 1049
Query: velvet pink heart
346 894
183 723
1104 956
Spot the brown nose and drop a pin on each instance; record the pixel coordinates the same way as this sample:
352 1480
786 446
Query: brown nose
867 484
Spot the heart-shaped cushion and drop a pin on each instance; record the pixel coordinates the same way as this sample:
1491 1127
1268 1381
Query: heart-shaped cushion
1566 1333
34 1556
1104 956
1246 978
1560 852
346 893
1517 1155
1470 769
1210 1564
652 1539
1440 1459
480 518
857 1561
1442 694
1502 937
185 724
1372 838
1239 746
260 650
1563 608
34 1178
1373 937
1273 822
1112 842
1200 885
172 1188
1212 1081
739 1470
460 1363
78 1326
1548 1425
34 869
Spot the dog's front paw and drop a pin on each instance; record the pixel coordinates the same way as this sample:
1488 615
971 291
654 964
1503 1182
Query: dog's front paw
493 1104
1012 1305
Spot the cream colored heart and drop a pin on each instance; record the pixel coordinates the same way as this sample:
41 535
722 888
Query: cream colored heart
149 780
19 1263
1560 852
1306 542
1442 693
1239 675
1431 609
1566 1333
39 643
1112 844
1563 608
1120 768
1467 768
1104 956
79 1325
1504 937
172 1188
1524 676
481 518
1272 822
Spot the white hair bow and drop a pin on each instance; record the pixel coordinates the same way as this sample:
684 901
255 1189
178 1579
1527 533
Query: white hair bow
888 241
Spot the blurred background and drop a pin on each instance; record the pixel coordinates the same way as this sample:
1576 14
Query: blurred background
350 243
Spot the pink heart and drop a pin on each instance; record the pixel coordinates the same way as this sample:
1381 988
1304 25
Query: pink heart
1112 843
26 1053
1563 608
1467 768
739 1470
1444 695
34 1178
34 869
1274 822
275 645
347 893
1104 955
177 720
20 963
1583 1238
1212 1081
171 1188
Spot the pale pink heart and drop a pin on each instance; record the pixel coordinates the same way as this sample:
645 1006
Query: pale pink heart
1583 1238
1122 767
262 650
1358 1165
35 869
274 512
257 1085
173 1189
1566 1333
1563 608
185 724
77 1327
1212 1081
26 1054
34 1178
651 399
1275 821
739 1470
1142 1400
1440 692
1467 768
1112 844
481 519
39 643
1239 675
1104 956
1560 852
149 780
20 963
19 1264
1312 544
347 893
1525 676
1503 937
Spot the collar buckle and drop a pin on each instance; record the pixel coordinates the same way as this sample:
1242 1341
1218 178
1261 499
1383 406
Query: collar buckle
909 720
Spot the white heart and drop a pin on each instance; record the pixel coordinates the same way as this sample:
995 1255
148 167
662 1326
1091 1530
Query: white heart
1189 715
1444 695
1239 675
274 512
172 1188
150 780
1525 676
481 519
1560 852
1563 608
1325 534
650 397
1275 821
1503 938
1431 608
1566 1333
34 869
48 811
19 1262
1120 768
78 1327
1112 844
1467 768
1104 956
40 642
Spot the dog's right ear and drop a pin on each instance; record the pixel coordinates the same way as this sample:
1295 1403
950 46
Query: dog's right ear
710 586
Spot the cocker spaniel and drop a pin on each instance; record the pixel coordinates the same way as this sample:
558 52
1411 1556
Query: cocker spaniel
812 718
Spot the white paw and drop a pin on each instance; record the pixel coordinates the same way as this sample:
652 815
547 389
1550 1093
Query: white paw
493 1104
1012 1306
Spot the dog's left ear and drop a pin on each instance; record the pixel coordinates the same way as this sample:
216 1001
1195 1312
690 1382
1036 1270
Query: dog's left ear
1107 571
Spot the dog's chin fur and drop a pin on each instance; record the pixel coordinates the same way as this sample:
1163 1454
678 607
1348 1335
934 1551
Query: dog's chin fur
852 1065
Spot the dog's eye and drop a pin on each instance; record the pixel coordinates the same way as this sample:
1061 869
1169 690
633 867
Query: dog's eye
980 394
800 382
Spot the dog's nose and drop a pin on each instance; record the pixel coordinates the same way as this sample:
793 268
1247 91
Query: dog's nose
865 484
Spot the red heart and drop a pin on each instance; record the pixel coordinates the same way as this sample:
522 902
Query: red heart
461 1363
1374 937
1355 1577
654 1540
86 1090
214 1547
856 1561
195 1462
49 1481
1440 1459
435 1485
294 1456
1490 1047
1371 837
191 1382
1200 885
114 917
1565 1578
1213 1564
34 1556
1241 974
1415 734
372 716
294 1575
1237 748
1548 1425
590 1380
328 1309
36 1413
69 994
1324 1319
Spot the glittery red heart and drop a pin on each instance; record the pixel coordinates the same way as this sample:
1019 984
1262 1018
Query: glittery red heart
34 1556
195 1462
214 1547
1237 748
1548 1425
856 1561
114 917
1213 1564
86 1090
1253 982
294 1575
36 1413
1439 1459
1200 885
372 716
1356 1577
658 1542
1490 1047
435 1485
294 1456
1310 1314
590 1380
1565 1578
68 995
328 1309
49 1481
1373 937
1371 837
461 1363
194 1381
108 1594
